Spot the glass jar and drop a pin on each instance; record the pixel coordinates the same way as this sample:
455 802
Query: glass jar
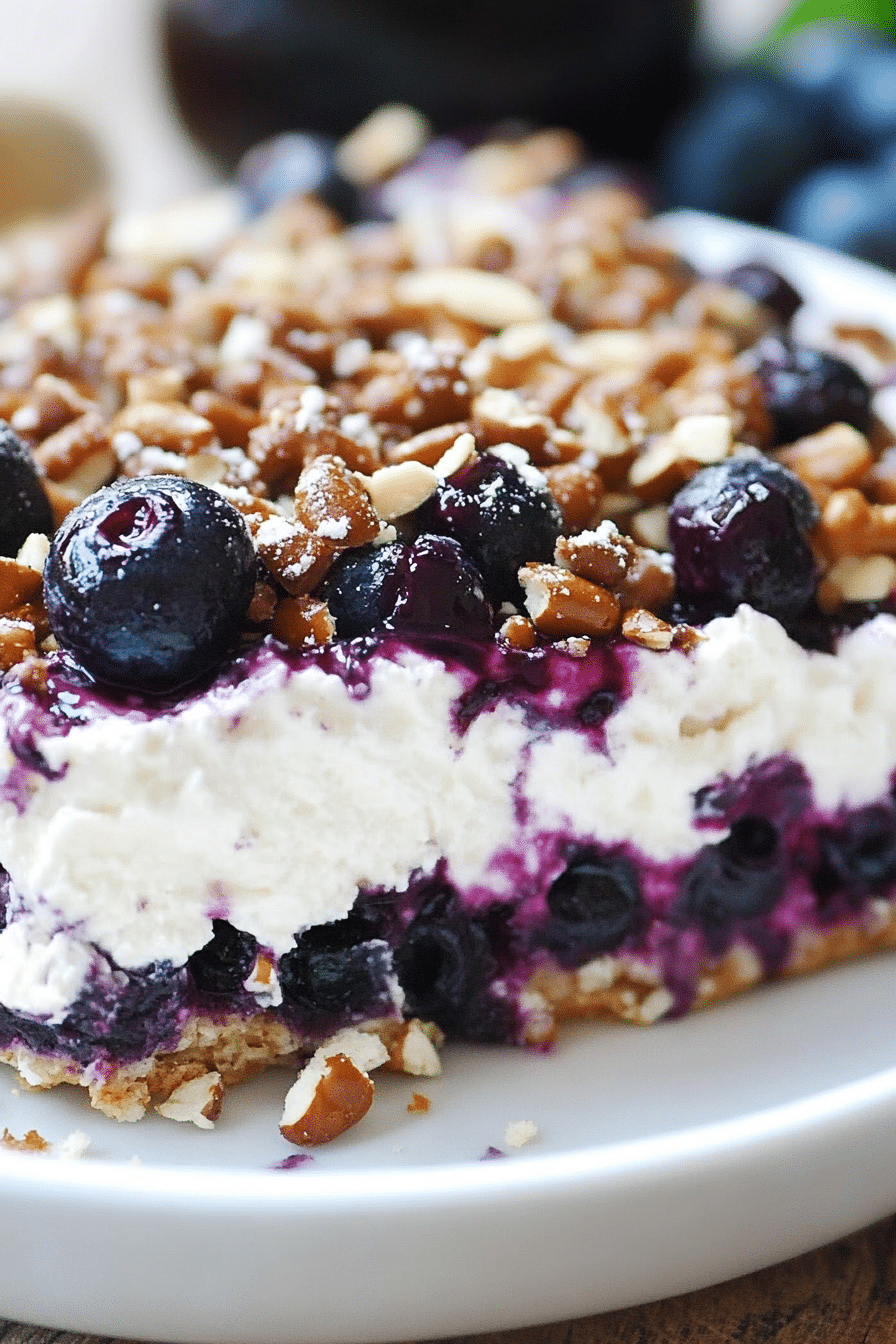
612 70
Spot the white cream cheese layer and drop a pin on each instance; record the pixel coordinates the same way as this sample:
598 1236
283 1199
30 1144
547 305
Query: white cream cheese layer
746 693
272 803
269 805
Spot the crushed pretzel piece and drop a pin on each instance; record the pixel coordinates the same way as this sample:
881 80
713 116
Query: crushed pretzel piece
412 1047
519 632
686 637
851 525
302 622
562 604
331 502
31 1142
835 457
197 1101
866 578
649 580
18 584
298 559
52 403
577 491
419 1104
602 555
333 1091
231 421
642 627
520 1132
156 385
81 441
389 137
169 425
17 642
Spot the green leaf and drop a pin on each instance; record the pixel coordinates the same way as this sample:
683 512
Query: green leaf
870 13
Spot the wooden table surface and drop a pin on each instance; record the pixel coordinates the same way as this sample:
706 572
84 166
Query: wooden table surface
842 1294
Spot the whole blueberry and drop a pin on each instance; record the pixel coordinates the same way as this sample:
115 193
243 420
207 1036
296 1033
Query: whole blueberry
148 582
338 968
440 590
806 390
445 964
738 148
502 514
739 878
224 963
24 507
738 534
844 206
857 857
767 287
295 163
428 585
818 61
360 589
594 906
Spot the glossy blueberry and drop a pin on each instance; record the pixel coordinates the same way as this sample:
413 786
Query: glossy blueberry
739 147
445 964
440 590
738 534
502 515
224 963
360 589
767 287
148 582
594 906
740 878
857 858
295 164
24 507
337 968
806 390
428 585
844 206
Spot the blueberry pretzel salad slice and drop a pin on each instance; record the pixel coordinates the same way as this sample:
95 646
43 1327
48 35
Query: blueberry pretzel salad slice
441 626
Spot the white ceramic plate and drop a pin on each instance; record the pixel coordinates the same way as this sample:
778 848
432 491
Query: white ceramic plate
666 1159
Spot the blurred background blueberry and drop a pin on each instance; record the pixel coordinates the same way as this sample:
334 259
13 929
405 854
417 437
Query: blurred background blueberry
295 163
801 136
737 149
849 207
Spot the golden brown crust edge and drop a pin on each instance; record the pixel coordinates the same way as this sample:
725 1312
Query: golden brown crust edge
609 988
613 988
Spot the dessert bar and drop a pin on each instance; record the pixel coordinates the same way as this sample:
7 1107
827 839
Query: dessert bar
439 627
